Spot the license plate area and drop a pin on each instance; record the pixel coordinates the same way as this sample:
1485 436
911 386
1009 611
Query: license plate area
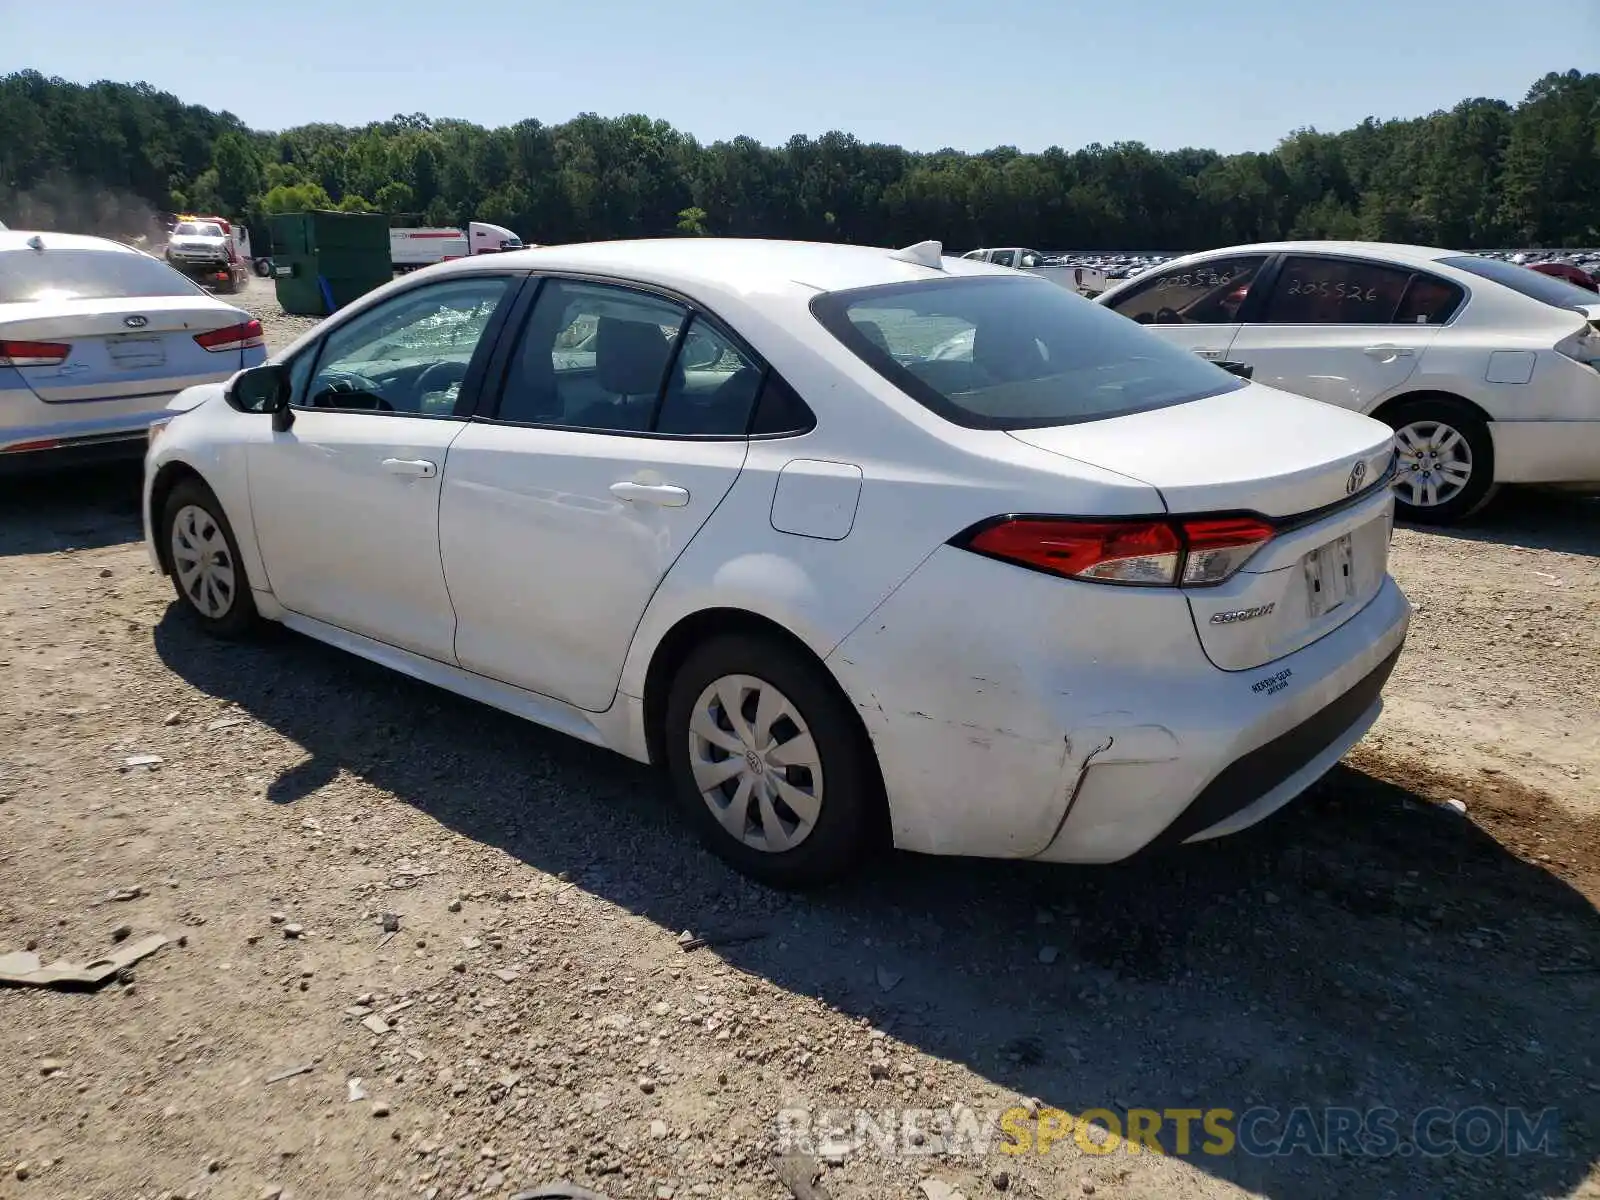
131 353
1330 575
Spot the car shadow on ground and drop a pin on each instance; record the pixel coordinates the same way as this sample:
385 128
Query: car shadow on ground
1365 951
84 509
1566 522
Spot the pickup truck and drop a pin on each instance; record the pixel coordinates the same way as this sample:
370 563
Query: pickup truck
211 251
1086 281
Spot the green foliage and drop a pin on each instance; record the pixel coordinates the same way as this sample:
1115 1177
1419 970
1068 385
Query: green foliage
1484 173
298 197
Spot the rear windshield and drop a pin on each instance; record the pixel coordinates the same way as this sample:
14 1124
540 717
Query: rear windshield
1011 353
86 275
1533 284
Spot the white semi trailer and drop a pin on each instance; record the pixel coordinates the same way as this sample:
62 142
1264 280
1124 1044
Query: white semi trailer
410 249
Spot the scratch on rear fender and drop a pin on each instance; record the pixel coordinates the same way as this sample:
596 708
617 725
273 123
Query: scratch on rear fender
1077 786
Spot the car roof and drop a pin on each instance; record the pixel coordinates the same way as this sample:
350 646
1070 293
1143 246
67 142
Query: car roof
17 239
1394 251
732 265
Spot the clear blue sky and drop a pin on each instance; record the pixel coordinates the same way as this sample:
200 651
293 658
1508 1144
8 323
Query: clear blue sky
1227 74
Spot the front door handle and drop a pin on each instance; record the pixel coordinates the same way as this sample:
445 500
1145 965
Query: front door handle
413 468
664 494
1389 352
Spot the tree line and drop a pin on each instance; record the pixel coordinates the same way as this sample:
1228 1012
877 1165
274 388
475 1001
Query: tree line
94 157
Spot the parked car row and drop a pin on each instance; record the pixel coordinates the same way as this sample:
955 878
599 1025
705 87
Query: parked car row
859 545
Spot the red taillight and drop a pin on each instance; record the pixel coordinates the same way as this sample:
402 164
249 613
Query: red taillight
1141 552
33 354
1115 551
234 337
1216 547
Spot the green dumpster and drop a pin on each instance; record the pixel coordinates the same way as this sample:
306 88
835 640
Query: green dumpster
324 260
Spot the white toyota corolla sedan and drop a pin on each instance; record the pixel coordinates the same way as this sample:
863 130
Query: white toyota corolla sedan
1066 595
1488 372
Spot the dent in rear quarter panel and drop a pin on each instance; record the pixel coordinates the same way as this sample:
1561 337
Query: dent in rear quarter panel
987 687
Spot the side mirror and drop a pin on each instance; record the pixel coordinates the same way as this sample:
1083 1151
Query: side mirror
263 389
1242 370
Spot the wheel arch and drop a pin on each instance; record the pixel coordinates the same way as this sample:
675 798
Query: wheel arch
1394 402
168 477
693 630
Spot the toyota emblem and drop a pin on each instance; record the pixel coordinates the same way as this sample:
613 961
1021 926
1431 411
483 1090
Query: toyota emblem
1358 476
136 322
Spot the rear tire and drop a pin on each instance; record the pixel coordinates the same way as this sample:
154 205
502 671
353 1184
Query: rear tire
769 762
1446 467
203 555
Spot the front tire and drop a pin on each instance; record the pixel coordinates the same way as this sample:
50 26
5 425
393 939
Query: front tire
203 555
769 762
1446 461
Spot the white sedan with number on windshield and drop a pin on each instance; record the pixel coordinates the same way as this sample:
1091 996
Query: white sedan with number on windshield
858 545
1489 373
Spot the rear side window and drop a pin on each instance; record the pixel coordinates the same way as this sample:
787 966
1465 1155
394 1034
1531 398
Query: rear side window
1208 293
1013 353
1533 284
86 275
607 359
1429 300
1335 291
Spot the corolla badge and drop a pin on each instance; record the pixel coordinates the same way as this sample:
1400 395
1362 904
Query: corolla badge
1358 476
136 321
1242 614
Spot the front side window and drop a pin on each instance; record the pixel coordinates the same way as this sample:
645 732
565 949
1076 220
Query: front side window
409 354
1335 291
1007 353
47 274
1207 293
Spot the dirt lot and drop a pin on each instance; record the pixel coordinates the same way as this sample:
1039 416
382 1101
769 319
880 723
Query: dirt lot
535 1015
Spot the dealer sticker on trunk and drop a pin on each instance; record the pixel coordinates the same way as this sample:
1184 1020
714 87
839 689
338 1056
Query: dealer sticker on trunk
1272 684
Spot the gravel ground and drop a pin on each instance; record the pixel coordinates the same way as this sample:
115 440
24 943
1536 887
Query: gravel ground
533 1014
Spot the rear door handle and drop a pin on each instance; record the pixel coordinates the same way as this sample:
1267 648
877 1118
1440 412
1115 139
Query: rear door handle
664 494
1388 352
414 468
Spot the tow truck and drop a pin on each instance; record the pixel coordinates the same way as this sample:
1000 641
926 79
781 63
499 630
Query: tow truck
210 250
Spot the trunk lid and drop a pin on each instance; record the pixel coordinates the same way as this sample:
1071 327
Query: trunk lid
112 360
1254 449
1315 470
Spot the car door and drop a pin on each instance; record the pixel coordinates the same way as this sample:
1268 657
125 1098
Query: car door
1346 331
346 500
621 426
1196 306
